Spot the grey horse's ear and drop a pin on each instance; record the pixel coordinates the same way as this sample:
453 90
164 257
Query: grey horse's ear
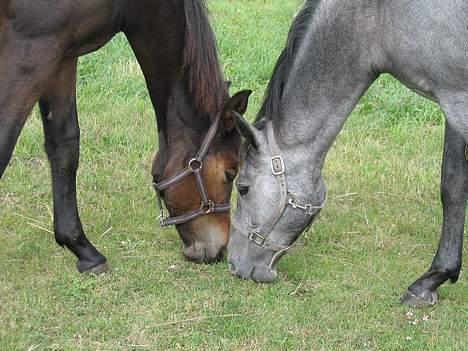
247 130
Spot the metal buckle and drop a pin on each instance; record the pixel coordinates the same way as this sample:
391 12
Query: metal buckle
207 207
277 165
193 162
253 236
309 209
292 203
162 220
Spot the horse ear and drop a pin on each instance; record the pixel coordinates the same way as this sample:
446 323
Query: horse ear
247 130
237 103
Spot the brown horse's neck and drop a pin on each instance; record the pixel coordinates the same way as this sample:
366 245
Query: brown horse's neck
181 121
177 52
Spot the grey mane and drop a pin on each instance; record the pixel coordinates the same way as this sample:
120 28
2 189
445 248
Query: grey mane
271 107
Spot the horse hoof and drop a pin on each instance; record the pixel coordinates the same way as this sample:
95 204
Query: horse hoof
102 268
427 298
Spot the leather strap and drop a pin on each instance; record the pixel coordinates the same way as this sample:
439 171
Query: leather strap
163 185
279 171
216 208
257 238
260 236
201 154
194 167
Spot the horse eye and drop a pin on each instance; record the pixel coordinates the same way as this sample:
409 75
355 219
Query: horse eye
230 175
242 189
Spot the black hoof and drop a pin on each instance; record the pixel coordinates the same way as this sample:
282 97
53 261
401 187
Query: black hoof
426 299
101 268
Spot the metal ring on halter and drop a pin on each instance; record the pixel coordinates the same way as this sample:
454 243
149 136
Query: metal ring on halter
195 160
260 235
193 167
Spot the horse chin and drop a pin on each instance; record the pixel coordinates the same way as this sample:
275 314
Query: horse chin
205 238
203 253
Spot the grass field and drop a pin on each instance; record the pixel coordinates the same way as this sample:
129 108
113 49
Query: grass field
340 292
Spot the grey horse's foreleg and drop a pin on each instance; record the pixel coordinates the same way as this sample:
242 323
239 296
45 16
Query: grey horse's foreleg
62 143
454 192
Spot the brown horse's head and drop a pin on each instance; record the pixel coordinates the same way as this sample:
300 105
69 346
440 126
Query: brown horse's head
205 237
191 99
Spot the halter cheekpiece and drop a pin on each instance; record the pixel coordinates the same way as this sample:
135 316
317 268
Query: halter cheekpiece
259 236
194 166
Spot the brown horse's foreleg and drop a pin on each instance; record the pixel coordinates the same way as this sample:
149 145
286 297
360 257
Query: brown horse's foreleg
454 191
9 132
24 67
16 103
62 142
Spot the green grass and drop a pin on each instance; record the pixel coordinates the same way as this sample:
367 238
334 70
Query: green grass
340 292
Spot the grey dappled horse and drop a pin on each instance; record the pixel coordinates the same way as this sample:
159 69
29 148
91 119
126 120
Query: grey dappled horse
335 51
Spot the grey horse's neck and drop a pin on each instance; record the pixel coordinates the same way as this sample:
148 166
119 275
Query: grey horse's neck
332 68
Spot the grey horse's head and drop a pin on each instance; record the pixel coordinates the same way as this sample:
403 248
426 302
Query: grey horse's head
273 208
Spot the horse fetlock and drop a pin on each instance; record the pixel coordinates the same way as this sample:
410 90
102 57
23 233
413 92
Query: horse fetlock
451 272
454 274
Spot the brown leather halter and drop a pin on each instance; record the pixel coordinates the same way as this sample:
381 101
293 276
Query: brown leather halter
259 236
194 167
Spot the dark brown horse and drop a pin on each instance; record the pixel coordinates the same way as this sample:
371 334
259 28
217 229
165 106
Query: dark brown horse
40 42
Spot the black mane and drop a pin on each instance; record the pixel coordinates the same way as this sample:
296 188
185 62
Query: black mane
271 108
204 77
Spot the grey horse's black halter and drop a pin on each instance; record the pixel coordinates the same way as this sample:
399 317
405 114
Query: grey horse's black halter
194 167
259 236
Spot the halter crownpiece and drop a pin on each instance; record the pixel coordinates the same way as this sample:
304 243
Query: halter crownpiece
194 167
259 236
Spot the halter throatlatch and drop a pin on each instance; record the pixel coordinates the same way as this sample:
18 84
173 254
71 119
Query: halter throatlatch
259 236
194 167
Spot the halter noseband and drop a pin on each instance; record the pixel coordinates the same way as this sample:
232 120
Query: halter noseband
194 167
259 236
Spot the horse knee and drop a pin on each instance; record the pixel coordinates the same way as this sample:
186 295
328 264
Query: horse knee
451 195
